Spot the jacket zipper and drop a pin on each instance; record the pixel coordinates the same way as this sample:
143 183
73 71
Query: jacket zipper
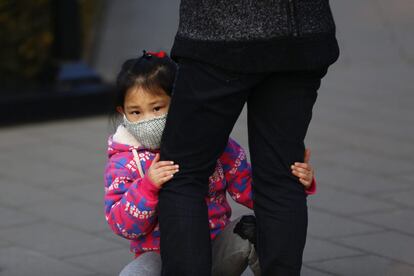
292 18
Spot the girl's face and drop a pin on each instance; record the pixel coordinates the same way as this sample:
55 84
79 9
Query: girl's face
140 104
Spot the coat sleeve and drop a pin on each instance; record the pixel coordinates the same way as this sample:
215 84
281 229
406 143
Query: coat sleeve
312 189
130 204
237 172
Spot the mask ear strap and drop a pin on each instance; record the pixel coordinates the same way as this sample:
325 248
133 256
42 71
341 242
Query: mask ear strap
138 162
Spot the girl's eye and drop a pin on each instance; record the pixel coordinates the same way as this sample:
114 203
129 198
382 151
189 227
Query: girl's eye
135 112
157 108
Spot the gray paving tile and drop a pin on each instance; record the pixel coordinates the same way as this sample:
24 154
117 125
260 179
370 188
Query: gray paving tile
93 142
316 250
404 197
51 176
238 209
365 82
93 177
247 272
50 161
12 217
375 145
239 132
364 43
36 173
393 245
105 263
386 137
311 271
359 182
359 81
373 127
325 225
16 261
20 194
365 265
320 165
57 130
86 189
318 147
400 20
341 202
369 162
401 220
344 108
18 137
109 235
56 240
407 176
86 216
4 243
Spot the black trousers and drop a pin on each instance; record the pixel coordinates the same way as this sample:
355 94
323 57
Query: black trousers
206 103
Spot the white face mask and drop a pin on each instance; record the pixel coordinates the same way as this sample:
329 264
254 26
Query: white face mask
147 132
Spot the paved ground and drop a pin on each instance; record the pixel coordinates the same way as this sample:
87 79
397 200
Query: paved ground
361 220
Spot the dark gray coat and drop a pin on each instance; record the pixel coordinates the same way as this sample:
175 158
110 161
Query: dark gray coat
257 35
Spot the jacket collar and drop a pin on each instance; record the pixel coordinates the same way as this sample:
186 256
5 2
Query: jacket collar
122 136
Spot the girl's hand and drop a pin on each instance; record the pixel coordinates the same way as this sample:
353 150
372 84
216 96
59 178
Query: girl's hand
304 170
161 171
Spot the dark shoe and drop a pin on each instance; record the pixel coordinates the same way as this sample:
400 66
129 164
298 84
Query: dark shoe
246 228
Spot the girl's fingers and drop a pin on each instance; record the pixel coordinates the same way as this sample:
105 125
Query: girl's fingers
168 172
165 179
304 182
299 169
163 164
301 175
156 158
301 165
167 168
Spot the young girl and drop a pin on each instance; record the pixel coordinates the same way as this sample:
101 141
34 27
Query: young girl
134 174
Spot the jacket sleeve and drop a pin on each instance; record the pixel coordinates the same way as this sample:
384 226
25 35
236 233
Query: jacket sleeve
237 172
312 189
130 204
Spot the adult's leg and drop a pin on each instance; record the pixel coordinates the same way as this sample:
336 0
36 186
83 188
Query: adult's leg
147 264
279 112
205 104
232 254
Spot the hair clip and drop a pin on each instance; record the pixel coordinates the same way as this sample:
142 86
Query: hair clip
160 54
145 54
